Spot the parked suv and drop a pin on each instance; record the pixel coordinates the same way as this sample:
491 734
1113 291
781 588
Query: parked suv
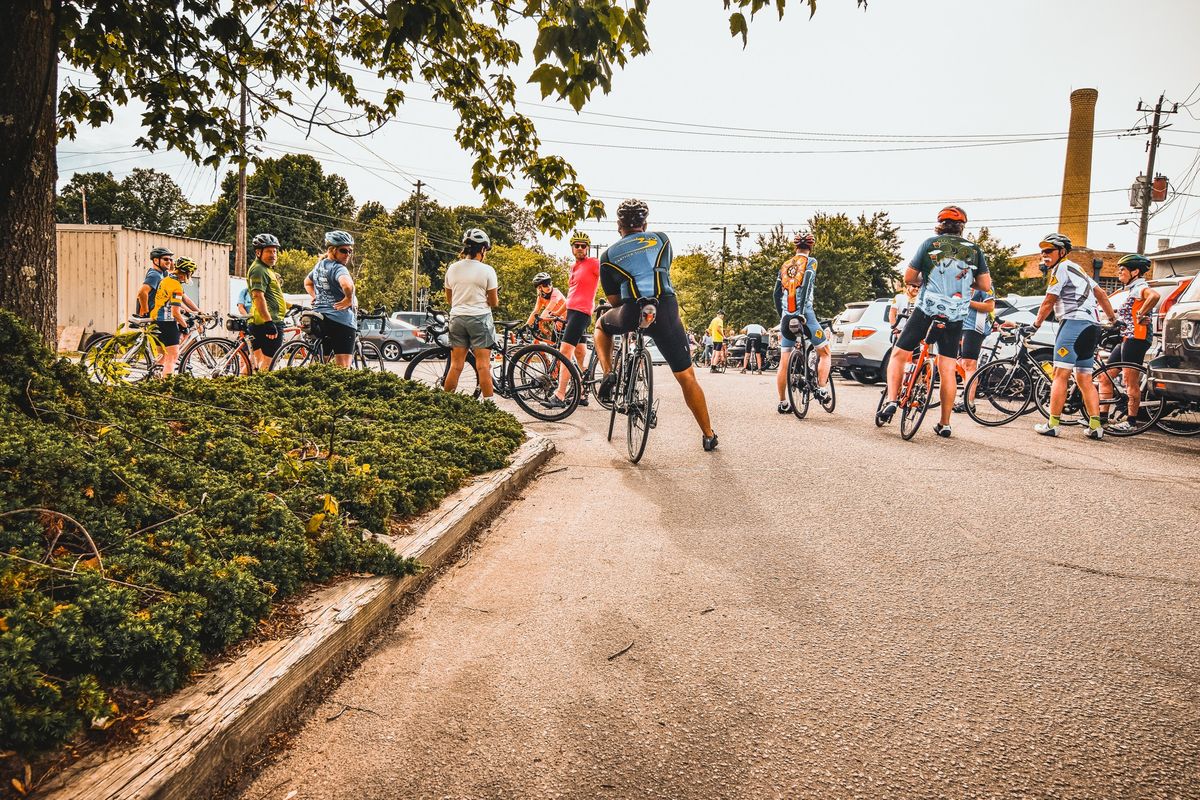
862 340
1176 373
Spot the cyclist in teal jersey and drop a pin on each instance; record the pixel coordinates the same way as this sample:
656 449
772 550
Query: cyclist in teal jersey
637 267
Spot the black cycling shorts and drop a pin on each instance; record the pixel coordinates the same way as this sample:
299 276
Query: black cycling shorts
337 339
259 340
667 330
754 343
167 333
1130 351
947 339
972 343
576 326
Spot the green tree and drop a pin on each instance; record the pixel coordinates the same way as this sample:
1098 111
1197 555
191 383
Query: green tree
881 264
1003 267
505 222
747 296
103 195
441 235
293 267
291 197
383 268
372 212
695 276
151 200
515 267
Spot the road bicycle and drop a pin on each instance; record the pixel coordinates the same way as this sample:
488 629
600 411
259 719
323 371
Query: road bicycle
527 373
307 348
211 356
916 386
1009 388
633 391
1180 418
802 373
132 353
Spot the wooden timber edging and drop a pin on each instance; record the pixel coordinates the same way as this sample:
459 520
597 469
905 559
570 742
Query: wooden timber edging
204 731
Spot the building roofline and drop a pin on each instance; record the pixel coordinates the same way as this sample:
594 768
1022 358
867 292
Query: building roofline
75 226
1180 251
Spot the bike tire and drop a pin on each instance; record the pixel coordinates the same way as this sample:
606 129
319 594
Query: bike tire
916 404
797 384
1117 408
429 367
618 390
826 405
1001 391
213 356
1180 419
88 359
367 356
533 378
879 407
296 353
639 413
126 359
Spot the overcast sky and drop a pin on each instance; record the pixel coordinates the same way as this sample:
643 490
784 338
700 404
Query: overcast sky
851 111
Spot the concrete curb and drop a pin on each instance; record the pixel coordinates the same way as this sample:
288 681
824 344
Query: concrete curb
208 728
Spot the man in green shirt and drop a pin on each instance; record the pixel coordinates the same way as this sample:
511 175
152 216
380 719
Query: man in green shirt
266 299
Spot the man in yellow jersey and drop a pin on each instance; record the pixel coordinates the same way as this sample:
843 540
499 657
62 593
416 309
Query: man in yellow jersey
716 329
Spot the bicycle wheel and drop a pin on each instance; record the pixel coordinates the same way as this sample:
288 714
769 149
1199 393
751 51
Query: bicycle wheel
1115 410
533 379
829 404
1180 419
90 359
368 357
296 353
125 359
999 392
209 357
430 368
879 407
916 404
797 383
618 392
640 412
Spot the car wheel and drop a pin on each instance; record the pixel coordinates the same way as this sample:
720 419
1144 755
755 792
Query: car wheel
868 376
391 351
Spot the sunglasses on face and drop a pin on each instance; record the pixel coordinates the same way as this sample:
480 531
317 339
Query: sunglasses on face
1048 250
543 286
578 244
345 250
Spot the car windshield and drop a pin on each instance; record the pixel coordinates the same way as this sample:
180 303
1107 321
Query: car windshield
852 313
1192 294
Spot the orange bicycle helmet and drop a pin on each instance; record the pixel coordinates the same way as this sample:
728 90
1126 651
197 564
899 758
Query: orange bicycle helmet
953 213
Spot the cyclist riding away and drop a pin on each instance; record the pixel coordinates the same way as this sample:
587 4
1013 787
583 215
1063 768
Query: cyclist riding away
548 309
472 291
1137 332
949 268
793 298
332 291
581 301
167 312
638 266
267 304
716 330
1072 296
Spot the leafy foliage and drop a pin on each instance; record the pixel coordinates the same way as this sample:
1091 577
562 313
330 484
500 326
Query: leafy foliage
383 268
1004 268
515 267
145 198
207 502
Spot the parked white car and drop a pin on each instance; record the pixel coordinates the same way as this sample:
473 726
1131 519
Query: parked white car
861 340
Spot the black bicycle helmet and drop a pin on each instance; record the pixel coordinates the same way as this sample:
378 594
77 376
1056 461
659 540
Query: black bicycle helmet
159 252
632 213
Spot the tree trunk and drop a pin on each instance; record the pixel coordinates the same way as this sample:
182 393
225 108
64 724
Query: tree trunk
28 169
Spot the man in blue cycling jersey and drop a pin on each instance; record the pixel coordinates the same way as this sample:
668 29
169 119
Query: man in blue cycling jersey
1072 296
636 267
950 268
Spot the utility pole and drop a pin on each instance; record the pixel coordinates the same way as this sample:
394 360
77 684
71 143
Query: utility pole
239 239
83 195
416 238
598 248
1153 148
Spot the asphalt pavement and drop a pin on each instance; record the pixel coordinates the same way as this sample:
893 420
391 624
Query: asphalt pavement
817 609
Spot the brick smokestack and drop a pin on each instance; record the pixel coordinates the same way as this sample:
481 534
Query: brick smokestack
1077 176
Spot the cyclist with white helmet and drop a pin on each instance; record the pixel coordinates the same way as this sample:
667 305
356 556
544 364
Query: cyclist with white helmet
638 267
1072 296
472 291
549 307
267 304
332 291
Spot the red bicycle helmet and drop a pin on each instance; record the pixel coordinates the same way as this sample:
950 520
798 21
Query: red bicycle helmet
952 213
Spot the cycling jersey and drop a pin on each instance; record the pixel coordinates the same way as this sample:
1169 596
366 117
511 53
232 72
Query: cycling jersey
1075 293
261 278
978 321
325 277
167 296
637 265
949 266
554 304
754 329
716 329
1131 309
794 285
153 278
581 290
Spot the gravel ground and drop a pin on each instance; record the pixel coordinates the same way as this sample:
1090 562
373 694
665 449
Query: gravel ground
818 609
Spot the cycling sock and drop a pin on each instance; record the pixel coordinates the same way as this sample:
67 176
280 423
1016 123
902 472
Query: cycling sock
1093 423
1054 421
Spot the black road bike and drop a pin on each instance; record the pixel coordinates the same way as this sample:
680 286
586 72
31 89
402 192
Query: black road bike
633 393
802 374
526 373
307 348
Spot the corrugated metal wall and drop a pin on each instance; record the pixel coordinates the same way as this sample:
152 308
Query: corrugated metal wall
101 267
